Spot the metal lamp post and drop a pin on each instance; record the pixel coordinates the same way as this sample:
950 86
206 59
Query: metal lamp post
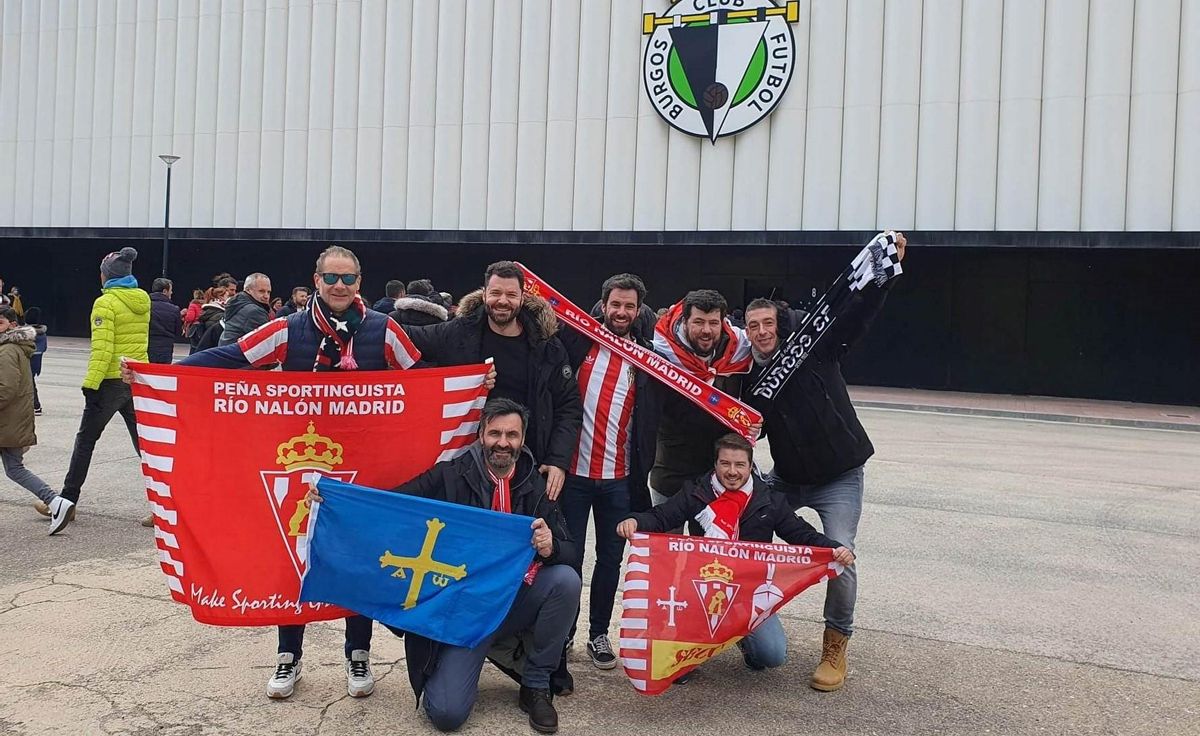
167 159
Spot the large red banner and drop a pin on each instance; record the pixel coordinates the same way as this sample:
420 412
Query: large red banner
228 455
687 599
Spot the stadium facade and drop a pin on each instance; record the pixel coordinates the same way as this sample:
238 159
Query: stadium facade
1044 156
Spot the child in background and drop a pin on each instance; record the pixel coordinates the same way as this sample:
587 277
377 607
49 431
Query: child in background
16 417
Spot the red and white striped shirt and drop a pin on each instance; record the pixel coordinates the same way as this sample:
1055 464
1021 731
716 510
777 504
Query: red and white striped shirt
606 385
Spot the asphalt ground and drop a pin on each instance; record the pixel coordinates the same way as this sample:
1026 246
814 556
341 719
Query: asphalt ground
1016 577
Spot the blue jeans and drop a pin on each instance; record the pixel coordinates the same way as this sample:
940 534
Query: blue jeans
839 504
358 636
608 502
766 646
14 468
545 608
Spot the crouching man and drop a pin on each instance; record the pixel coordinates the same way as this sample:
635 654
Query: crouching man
732 502
499 473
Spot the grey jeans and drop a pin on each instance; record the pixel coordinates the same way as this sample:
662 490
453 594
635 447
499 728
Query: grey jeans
839 504
14 468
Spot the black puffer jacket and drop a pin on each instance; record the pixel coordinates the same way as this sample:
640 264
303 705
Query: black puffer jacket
243 315
463 480
556 416
813 429
647 409
418 311
766 515
166 324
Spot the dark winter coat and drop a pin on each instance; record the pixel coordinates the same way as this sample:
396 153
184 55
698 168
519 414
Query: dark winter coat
288 309
166 324
243 315
647 409
39 349
16 388
812 427
464 480
385 305
767 515
418 311
557 413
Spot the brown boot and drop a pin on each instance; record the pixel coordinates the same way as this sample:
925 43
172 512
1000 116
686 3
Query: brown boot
831 672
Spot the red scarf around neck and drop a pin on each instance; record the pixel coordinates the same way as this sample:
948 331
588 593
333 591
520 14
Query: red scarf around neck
722 517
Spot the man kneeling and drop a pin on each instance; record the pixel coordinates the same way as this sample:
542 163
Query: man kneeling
732 502
497 472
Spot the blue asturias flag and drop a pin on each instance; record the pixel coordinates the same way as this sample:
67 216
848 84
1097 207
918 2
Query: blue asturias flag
444 571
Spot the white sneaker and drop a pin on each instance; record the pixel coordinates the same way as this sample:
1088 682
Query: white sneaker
359 681
287 673
60 514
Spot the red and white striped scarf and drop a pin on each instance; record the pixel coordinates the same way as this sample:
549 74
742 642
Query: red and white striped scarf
336 349
502 494
734 357
721 518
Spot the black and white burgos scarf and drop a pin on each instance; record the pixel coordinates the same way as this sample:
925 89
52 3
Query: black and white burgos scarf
337 342
876 264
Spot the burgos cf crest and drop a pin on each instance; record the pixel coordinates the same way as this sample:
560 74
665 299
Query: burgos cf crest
304 458
713 68
716 590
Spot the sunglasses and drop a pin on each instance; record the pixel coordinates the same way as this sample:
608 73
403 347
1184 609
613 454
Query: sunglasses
346 278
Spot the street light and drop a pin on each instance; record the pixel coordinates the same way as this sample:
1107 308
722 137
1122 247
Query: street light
167 159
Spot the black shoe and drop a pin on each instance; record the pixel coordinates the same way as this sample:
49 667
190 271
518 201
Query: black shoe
600 650
539 704
684 679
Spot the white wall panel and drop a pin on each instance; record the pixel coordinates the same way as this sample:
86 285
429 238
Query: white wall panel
620 135
367 184
274 100
397 63
81 124
64 113
295 115
502 133
899 114
532 114
1152 115
587 204
714 199
751 169
1186 212
229 82
477 102
122 112
43 157
141 149
10 69
320 114
447 159
250 115
978 116
422 108
653 147
860 121
162 126
1106 114
937 139
1064 73
1020 115
532 98
823 135
100 170
344 133
561 110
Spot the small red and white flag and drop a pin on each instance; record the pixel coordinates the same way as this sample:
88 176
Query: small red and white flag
687 599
